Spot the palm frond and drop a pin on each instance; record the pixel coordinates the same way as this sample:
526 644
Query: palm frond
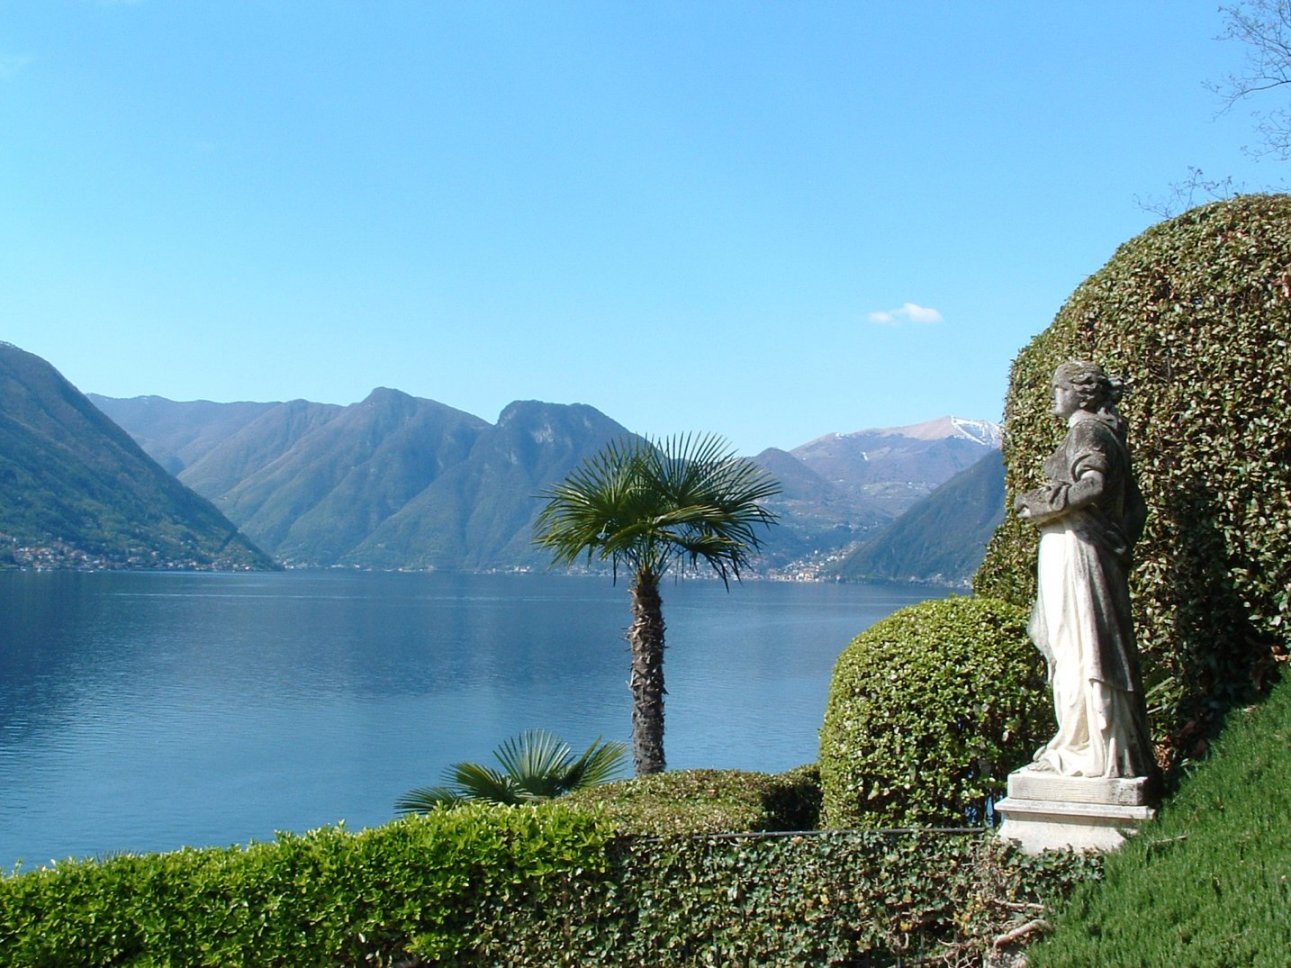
536 765
423 799
475 781
644 502
599 763
715 501
535 762
586 510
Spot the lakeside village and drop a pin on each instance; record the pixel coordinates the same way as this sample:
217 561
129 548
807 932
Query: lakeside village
61 556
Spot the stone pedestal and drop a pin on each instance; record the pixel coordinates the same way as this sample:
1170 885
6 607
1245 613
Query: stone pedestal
1045 811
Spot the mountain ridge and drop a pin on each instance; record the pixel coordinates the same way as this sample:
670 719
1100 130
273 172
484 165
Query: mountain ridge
78 491
942 538
378 484
393 481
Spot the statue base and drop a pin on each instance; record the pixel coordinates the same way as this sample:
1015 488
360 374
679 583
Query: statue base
1045 811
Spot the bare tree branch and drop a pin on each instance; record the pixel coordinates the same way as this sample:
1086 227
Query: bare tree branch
1264 27
1194 190
1039 924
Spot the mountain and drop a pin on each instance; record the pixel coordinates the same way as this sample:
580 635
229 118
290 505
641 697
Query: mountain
841 489
894 467
225 463
173 434
480 513
943 537
78 491
816 516
392 482
401 482
338 481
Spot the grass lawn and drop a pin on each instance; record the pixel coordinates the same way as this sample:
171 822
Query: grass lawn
1209 882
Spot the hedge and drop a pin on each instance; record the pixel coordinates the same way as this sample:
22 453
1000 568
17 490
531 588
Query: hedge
536 886
708 801
329 897
1196 313
835 898
929 711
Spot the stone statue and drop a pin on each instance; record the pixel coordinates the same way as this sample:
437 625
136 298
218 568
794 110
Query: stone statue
1089 514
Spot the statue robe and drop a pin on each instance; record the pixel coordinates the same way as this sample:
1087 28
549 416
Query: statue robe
1081 622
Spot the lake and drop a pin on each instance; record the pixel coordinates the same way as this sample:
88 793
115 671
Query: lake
147 711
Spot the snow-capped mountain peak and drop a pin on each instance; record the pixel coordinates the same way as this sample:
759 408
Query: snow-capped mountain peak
982 432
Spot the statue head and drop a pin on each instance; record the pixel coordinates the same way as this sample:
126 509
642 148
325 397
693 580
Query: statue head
1092 386
1091 389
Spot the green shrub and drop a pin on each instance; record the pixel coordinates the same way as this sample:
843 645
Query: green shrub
856 897
538 886
928 712
416 886
1208 884
708 801
1196 313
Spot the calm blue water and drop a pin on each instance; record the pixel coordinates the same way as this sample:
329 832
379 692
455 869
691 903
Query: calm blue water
149 711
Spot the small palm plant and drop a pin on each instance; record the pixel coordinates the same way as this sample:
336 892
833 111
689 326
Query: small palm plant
536 765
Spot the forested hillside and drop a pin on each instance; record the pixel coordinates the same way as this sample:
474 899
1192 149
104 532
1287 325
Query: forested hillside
77 491
942 538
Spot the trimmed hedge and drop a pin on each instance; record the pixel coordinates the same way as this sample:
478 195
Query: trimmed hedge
836 898
929 710
417 886
1196 312
708 801
546 885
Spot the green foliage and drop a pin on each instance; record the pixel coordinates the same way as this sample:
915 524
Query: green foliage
1209 883
928 712
417 886
709 801
837 898
536 765
1196 312
542 886
645 503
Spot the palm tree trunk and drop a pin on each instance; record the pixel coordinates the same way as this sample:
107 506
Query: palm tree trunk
645 637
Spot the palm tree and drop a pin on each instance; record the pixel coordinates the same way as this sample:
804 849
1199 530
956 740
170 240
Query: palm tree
536 765
645 504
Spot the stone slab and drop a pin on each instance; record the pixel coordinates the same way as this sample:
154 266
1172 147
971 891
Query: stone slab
1058 824
1046 811
1027 784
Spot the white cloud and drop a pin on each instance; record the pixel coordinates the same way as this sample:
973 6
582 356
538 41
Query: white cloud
906 313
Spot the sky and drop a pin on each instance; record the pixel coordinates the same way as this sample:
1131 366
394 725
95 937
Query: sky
768 221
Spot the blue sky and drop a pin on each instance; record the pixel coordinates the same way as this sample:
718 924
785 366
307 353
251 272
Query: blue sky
770 221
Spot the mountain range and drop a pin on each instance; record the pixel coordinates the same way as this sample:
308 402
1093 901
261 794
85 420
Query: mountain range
397 481
845 488
391 482
401 482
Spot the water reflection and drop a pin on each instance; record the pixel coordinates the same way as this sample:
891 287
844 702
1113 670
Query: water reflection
146 711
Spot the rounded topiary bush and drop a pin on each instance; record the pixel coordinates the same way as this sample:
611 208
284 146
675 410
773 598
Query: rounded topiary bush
1196 313
929 710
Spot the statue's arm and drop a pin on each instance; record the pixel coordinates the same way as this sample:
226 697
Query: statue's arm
1086 450
1058 497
